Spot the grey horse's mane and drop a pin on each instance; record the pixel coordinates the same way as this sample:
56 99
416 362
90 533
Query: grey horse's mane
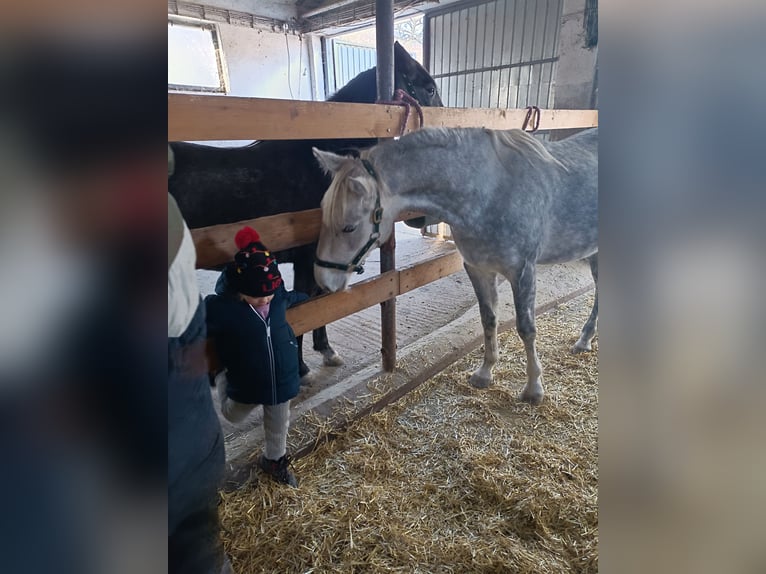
337 196
523 143
517 140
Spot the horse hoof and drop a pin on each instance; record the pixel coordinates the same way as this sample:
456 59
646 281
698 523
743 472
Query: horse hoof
332 360
480 382
532 396
579 347
308 379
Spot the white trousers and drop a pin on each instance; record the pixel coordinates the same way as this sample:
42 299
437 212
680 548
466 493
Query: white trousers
276 419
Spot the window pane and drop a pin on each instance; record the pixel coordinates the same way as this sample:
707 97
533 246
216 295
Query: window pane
191 57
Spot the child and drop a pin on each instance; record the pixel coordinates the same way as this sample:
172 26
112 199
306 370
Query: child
256 346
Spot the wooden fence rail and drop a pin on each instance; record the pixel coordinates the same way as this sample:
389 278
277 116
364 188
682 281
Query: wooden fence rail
215 244
328 308
200 118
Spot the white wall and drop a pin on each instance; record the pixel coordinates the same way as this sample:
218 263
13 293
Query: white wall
257 62
256 65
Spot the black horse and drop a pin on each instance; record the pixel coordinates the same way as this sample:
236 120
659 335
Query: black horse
223 185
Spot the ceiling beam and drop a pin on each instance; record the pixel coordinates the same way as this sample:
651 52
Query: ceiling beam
326 7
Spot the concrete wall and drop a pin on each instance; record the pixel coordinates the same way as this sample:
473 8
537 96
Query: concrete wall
577 64
576 77
258 64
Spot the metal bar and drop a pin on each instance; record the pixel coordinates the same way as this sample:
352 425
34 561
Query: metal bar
483 51
495 68
492 56
448 40
476 49
441 57
384 42
542 53
532 53
444 55
521 48
327 68
457 60
510 55
502 47
427 41
554 50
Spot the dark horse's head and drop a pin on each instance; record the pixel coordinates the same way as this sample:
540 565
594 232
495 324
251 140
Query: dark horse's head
413 78
409 76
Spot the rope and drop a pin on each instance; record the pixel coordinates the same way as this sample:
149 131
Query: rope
402 98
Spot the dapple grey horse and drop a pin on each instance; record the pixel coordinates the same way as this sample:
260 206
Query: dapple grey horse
512 202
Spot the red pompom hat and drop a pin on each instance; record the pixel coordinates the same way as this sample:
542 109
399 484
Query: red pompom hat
254 271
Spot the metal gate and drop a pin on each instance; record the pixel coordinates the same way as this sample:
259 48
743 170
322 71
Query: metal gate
347 62
496 54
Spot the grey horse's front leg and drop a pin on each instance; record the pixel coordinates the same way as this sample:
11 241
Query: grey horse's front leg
523 283
589 329
485 287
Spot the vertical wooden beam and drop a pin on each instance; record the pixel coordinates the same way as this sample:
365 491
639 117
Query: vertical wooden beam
384 43
388 308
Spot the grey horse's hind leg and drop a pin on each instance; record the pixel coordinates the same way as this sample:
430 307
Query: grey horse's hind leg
524 288
589 329
485 287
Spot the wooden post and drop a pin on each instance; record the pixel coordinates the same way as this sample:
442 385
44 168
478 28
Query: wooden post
384 43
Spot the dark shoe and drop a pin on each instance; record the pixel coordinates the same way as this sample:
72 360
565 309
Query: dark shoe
279 470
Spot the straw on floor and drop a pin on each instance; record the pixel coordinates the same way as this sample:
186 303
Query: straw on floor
448 479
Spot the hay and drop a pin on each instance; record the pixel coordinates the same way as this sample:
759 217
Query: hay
448 479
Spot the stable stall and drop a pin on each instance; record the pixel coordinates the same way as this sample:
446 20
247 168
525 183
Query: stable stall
342 542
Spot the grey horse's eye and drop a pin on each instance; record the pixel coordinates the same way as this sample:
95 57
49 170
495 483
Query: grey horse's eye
349 228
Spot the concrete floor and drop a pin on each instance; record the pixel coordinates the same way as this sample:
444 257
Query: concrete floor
432 321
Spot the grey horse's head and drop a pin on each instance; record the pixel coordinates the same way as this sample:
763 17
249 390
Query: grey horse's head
354 219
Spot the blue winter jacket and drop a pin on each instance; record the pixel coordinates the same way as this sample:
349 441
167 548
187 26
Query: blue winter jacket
260 355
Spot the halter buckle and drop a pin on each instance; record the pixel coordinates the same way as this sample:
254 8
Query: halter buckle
377 215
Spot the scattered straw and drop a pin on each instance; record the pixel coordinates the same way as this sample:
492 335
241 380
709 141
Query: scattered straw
448 479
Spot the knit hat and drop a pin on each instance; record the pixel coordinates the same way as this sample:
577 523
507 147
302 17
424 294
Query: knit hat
254 271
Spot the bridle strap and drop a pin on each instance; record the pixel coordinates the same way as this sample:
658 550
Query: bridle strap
376 216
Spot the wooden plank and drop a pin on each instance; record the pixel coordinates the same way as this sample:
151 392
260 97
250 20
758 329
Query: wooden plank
506 119
192 117
328 308
388 307
233 118
420 274
215 244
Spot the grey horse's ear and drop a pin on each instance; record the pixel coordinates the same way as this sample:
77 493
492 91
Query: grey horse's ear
329 161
